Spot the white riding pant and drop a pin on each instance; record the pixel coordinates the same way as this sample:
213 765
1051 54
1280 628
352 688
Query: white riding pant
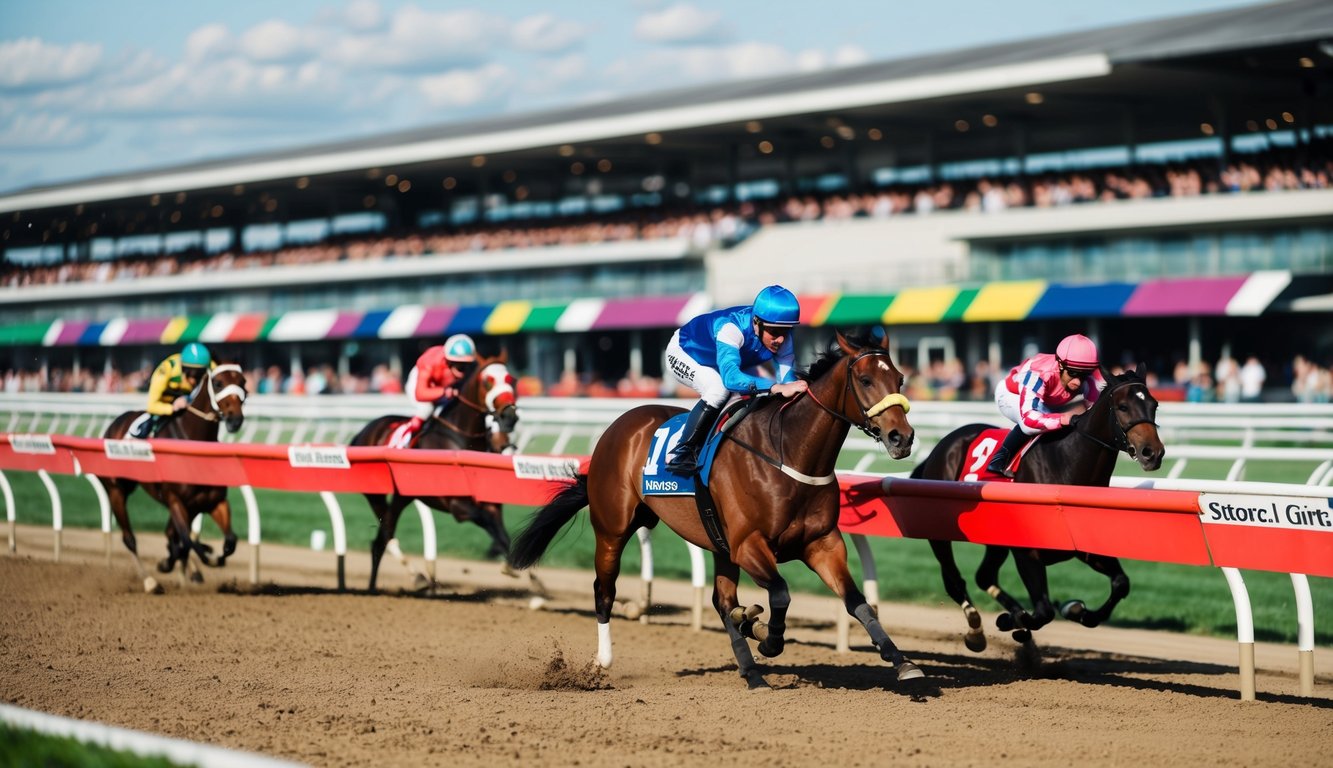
695 375
1007 402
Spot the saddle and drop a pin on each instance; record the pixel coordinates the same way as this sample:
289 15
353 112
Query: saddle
660 481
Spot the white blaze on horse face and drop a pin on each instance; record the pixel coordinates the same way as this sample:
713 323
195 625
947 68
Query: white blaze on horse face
496 376
883 365
1140 396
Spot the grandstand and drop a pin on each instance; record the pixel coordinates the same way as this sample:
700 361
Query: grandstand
1163 185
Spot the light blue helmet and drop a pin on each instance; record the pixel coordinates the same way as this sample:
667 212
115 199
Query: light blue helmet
195 355
460 349
776 305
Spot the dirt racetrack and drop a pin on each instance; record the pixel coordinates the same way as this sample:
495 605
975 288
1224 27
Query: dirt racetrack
472 676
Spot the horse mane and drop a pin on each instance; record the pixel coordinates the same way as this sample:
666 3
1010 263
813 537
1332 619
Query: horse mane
830 357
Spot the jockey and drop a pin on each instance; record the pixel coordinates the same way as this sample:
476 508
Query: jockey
711 353
1038 394
431 381
173 381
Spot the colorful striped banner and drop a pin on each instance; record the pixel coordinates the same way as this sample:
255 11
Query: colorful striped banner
1247 295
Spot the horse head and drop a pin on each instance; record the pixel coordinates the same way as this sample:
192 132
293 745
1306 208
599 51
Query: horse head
490 391
1132 419
226 394
871 399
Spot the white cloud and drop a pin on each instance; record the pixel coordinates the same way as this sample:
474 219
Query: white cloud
670 67
43 130
276 40
467 88
363 16
32 63
681 23
421 41
811 60
207 42
545 33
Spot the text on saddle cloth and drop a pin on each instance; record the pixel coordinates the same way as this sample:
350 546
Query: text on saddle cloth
660 481
979 452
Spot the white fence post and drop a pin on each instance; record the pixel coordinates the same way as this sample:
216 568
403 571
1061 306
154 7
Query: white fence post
1244 631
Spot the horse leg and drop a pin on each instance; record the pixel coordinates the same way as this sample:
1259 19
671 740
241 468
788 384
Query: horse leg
388 512
117 492
489 518
827 556
221 515
1075 610
988 578
606 565
757 560
178 538
956 587
725 575
1033 572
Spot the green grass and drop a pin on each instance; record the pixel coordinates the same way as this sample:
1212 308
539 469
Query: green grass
1164 596
29 749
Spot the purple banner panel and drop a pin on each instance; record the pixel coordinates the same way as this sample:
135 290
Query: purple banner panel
640 313
435 320
1202 296
345 325
70 332
145 331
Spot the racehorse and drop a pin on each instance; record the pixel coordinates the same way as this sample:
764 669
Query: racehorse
1122 419
461 424
775 491
218 398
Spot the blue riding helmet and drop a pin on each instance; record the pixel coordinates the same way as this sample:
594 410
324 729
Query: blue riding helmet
776 305
460 349
195 355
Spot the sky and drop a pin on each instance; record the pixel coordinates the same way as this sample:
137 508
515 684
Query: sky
96 87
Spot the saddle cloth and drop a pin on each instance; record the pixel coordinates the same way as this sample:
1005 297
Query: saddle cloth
660 481
979 452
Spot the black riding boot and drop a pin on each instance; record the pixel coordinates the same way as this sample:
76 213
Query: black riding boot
148 428
685 458
1004 455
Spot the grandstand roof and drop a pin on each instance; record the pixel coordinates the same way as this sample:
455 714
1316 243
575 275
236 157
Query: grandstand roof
1138 82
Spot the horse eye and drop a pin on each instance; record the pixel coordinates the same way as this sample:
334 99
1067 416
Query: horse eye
865 381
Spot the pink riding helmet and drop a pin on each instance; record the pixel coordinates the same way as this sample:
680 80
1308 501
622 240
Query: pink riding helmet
1077 351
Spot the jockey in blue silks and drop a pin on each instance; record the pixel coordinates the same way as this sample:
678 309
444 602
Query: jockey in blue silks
712 353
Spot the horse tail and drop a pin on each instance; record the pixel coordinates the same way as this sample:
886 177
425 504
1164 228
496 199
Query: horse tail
529 546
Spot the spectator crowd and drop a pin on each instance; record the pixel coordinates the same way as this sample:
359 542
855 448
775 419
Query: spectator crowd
727 224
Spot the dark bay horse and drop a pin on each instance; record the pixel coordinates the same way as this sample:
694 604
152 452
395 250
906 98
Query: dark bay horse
1122 419
218 398
488 390
775 491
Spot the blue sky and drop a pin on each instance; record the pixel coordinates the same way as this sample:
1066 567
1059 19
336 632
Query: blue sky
91 88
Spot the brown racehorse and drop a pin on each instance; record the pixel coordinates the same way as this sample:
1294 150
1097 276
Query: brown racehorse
486 391
218 398
1122 419
775 491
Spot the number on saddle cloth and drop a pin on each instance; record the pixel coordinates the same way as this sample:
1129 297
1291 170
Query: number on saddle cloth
979 452
660 481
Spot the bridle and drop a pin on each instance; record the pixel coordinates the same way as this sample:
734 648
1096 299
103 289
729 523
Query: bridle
1120 433
868 413
486 408
216 395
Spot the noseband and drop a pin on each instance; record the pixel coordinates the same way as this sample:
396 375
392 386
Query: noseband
214 396
868 414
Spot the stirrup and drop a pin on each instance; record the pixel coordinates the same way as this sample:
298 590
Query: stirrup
684 464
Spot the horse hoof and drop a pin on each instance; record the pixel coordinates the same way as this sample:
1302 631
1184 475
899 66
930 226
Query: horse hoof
1005 622
756 682
197 578
909 671
1022 636
508 570
421 583
151 587
165 566
975 641
771 646
1073 610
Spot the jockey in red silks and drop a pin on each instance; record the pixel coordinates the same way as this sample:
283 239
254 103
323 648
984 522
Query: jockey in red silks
431 381
1038 395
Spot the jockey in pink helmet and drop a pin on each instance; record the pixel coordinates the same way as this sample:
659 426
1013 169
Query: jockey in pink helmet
1043 394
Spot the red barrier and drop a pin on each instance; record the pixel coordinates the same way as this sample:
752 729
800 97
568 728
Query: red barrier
531 480
1120 522
31 453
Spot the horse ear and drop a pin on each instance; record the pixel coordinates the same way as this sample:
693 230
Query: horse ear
503 357
844 344
884 337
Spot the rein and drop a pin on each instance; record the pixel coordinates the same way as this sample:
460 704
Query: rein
1121 439
868 427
